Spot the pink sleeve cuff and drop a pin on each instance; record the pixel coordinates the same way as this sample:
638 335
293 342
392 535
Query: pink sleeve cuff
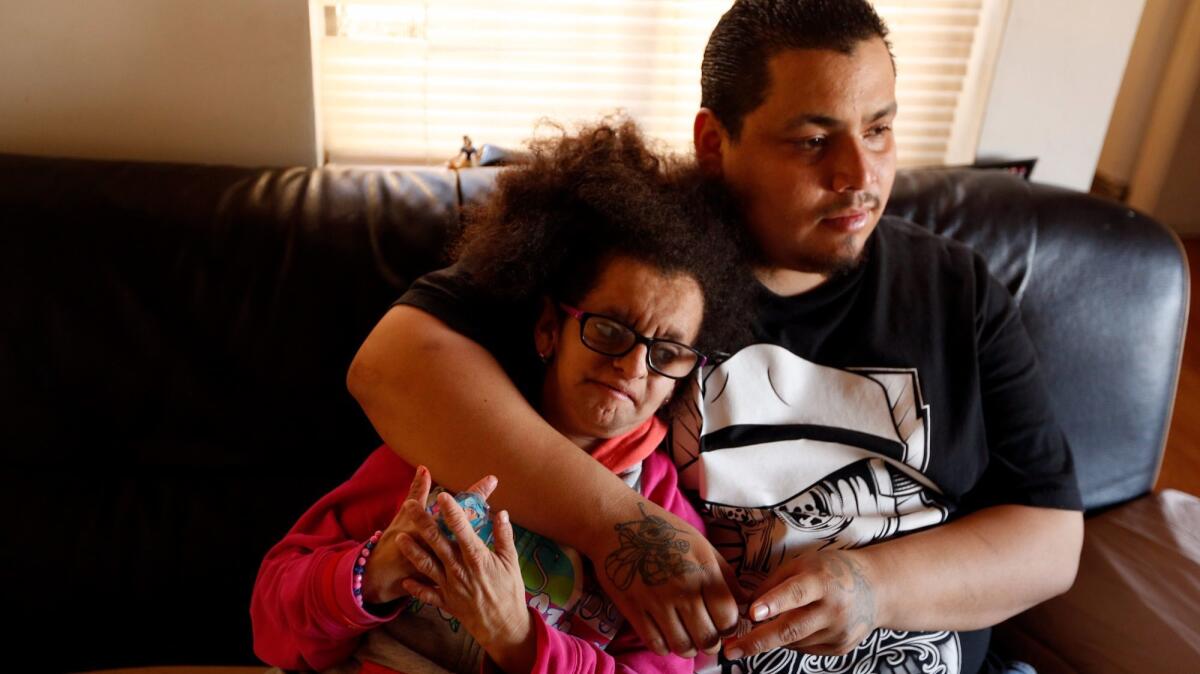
548 645
341 588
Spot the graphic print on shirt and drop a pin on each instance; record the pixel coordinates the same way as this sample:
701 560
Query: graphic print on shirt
562 591
788 456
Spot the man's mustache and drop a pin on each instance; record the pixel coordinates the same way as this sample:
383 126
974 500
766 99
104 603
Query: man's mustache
858 200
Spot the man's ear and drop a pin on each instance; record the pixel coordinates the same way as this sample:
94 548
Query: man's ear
708 135
546 330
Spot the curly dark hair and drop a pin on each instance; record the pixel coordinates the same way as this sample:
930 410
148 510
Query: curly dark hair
733 74
553 223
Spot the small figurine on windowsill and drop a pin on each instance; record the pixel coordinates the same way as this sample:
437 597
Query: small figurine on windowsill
466 156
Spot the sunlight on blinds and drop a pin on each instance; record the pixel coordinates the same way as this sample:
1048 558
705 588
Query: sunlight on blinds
403 80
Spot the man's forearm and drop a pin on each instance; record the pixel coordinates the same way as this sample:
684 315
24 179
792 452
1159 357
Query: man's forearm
440 400
976 571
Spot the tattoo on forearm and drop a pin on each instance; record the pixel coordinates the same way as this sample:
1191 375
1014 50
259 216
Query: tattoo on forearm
850 578
651 548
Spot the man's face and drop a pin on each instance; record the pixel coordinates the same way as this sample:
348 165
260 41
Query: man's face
814 164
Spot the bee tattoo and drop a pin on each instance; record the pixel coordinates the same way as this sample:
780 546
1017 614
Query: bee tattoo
649 548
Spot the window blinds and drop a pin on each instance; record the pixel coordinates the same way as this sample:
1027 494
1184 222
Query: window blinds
403 80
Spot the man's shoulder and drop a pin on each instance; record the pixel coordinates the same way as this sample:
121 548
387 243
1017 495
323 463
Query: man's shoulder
906 249
906 235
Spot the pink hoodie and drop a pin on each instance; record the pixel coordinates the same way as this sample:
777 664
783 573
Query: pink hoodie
305 617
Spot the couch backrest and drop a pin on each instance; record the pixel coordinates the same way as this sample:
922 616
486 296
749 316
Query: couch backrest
1103 292
174 343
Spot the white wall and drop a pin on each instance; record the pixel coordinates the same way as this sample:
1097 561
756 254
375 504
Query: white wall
1059 69
206 81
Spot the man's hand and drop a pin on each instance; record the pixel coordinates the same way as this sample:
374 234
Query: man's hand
821 603
976 571
387 567
668 582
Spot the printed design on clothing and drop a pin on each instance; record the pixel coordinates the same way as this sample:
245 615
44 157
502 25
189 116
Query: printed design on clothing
788 456
559 588
884 651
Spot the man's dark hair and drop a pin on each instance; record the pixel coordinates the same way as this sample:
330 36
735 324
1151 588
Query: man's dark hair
552 224
734 76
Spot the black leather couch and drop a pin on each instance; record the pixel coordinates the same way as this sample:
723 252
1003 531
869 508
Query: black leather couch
175 340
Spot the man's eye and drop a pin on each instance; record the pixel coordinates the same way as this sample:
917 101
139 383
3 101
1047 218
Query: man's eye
880 130
811 143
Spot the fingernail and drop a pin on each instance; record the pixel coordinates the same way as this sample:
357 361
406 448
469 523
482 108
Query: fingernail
504 516
759 612
733 653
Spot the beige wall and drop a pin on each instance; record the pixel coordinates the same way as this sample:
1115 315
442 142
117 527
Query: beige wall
1148 59
1179 201
207 81
1164 175
1057 75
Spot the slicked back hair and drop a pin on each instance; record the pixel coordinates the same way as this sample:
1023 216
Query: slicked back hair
733 75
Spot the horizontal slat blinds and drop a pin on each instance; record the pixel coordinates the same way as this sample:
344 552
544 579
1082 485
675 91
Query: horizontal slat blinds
403 80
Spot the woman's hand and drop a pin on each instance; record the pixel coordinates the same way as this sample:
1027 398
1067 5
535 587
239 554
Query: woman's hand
482 588
387 566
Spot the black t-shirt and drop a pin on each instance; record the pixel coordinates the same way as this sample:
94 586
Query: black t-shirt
898 396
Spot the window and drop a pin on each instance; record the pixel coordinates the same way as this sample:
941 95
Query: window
403 80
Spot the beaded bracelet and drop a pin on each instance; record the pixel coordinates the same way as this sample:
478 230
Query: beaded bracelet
360 566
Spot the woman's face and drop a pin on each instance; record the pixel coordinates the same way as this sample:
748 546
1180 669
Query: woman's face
589 396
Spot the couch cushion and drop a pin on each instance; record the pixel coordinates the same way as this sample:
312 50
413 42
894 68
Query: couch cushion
1135 605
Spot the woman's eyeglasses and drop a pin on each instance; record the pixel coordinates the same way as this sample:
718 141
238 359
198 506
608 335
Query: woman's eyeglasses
611 337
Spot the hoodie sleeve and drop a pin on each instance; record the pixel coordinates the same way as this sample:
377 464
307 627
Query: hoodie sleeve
303 611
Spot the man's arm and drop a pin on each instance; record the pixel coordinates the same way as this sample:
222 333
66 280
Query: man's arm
980 570
441 400
965 575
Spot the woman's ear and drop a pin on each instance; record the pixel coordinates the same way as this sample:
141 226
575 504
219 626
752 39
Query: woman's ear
546 330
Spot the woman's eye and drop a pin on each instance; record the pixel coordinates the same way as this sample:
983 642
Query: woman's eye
606 329
664 355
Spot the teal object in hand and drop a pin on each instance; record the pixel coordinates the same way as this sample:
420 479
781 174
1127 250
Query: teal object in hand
477 511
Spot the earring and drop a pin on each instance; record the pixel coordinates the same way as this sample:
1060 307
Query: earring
545 356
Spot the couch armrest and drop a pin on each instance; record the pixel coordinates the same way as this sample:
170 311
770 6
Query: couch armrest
1135 605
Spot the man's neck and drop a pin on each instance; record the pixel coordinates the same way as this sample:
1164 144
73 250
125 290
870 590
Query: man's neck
788 282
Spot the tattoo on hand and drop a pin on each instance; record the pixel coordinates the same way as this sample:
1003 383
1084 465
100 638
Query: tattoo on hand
851 579
650 548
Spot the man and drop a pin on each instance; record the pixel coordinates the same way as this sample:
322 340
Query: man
881 470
